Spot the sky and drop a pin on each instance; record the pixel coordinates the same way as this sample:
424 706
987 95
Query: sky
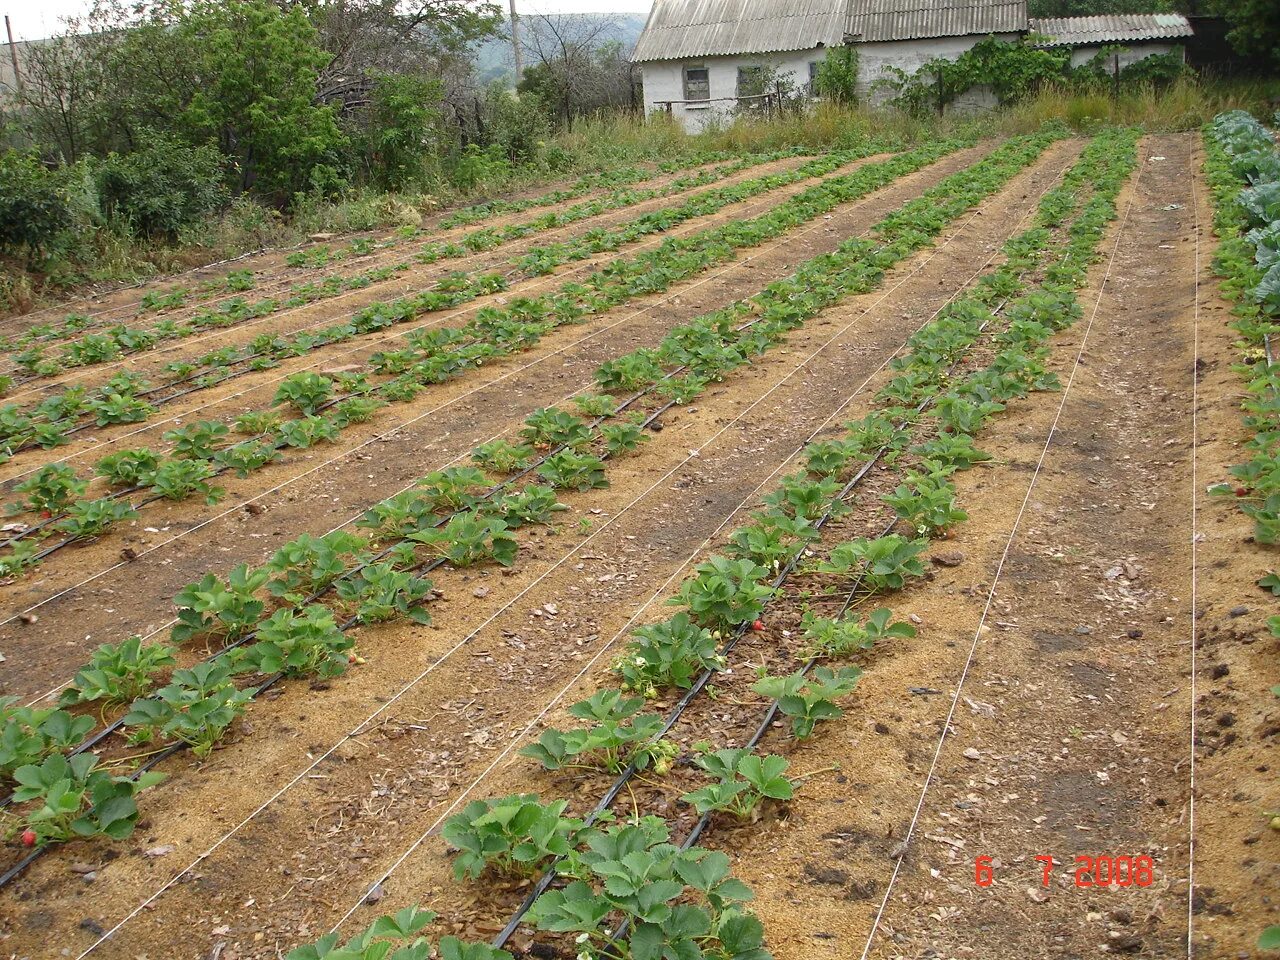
33 19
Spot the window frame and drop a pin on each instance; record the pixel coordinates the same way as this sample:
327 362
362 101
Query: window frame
758 70
684 77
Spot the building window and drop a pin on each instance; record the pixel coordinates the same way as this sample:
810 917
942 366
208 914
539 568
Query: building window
813 78
697 83
750 81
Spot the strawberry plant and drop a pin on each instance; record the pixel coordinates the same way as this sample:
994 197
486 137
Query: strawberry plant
257 422
724 593
196 441
129 468
71 798
744 781
771 539
825 638
958 414
927 502
396 938
675 903
883 564
531 505
809 700
245 457
29 735
595 405
549 427
380 592
356 410
453 489
306 392
502 456
619 736
119 673
112 408
622 438
667 654
197 707
805 498
90 518
22 556
222 612
306 432
952 450
50 490
309 564
470 538
92 349
180 479
398 516
570 470
633 371
306 643
830 458
513 836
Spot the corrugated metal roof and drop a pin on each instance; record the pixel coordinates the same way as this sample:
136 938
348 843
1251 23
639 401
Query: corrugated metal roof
1117 28
878 20
679 29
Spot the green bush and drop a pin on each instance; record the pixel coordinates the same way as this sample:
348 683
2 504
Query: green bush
161 188
34 209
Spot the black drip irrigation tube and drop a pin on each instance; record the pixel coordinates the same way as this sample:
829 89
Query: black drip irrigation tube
425 567
549 876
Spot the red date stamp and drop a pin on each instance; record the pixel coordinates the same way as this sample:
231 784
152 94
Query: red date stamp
1101 870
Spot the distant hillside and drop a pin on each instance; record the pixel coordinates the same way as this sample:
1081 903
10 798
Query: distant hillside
493 58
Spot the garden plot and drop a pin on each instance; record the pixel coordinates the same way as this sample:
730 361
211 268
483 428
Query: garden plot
841 434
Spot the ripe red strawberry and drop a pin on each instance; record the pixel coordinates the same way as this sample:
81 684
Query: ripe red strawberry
758 626
28 837
1241 492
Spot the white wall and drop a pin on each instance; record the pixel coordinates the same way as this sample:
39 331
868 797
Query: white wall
1130 54
664 80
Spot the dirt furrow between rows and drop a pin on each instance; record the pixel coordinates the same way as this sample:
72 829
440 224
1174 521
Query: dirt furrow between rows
321 312
342 823
1070 733
320 488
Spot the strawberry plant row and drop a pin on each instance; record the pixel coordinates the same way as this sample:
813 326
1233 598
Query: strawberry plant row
48 423
240 280
431 358
121 341
729 591
464 544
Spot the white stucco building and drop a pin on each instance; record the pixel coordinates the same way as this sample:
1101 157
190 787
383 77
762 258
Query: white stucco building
703 59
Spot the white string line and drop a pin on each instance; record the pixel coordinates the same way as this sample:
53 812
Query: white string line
440 232
511 603
411 276
526 286
571 394
1004 556
464 454
1193 173
684 290
679 571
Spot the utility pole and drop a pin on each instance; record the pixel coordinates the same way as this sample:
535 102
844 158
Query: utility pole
13 53
515 41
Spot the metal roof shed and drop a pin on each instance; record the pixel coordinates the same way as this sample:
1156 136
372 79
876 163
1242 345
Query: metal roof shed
1117 28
